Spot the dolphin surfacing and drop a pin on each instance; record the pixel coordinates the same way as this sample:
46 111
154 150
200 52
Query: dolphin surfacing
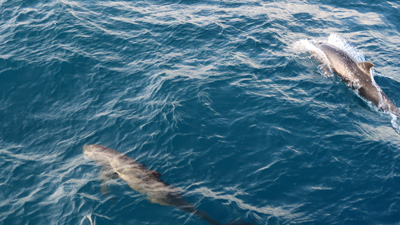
357 76
141 179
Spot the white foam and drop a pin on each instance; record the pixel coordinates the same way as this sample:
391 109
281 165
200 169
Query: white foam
395 124
333 39
338 41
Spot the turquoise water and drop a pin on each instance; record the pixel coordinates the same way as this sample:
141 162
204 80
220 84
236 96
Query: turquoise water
220 97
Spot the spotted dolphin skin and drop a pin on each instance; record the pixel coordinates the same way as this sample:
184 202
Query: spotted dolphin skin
141 179
357 76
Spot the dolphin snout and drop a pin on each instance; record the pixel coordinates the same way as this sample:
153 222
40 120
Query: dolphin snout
318 44
90 149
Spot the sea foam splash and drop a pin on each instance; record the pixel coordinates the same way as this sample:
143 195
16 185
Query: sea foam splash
395 123
306 45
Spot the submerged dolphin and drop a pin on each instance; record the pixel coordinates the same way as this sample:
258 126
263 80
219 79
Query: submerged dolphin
357 76
141 179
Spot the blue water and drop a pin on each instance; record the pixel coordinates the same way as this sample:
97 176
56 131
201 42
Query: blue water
215 95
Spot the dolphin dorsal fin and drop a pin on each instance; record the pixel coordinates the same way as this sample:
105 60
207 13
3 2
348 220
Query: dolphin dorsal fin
366 67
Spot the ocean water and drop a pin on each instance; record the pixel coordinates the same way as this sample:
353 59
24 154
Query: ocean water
220 97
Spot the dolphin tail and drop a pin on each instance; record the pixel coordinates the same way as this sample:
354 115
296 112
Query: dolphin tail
181 203
201 214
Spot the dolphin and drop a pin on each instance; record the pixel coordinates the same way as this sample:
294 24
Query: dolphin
142 180
356 76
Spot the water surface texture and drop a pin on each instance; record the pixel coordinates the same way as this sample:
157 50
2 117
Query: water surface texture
217 96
